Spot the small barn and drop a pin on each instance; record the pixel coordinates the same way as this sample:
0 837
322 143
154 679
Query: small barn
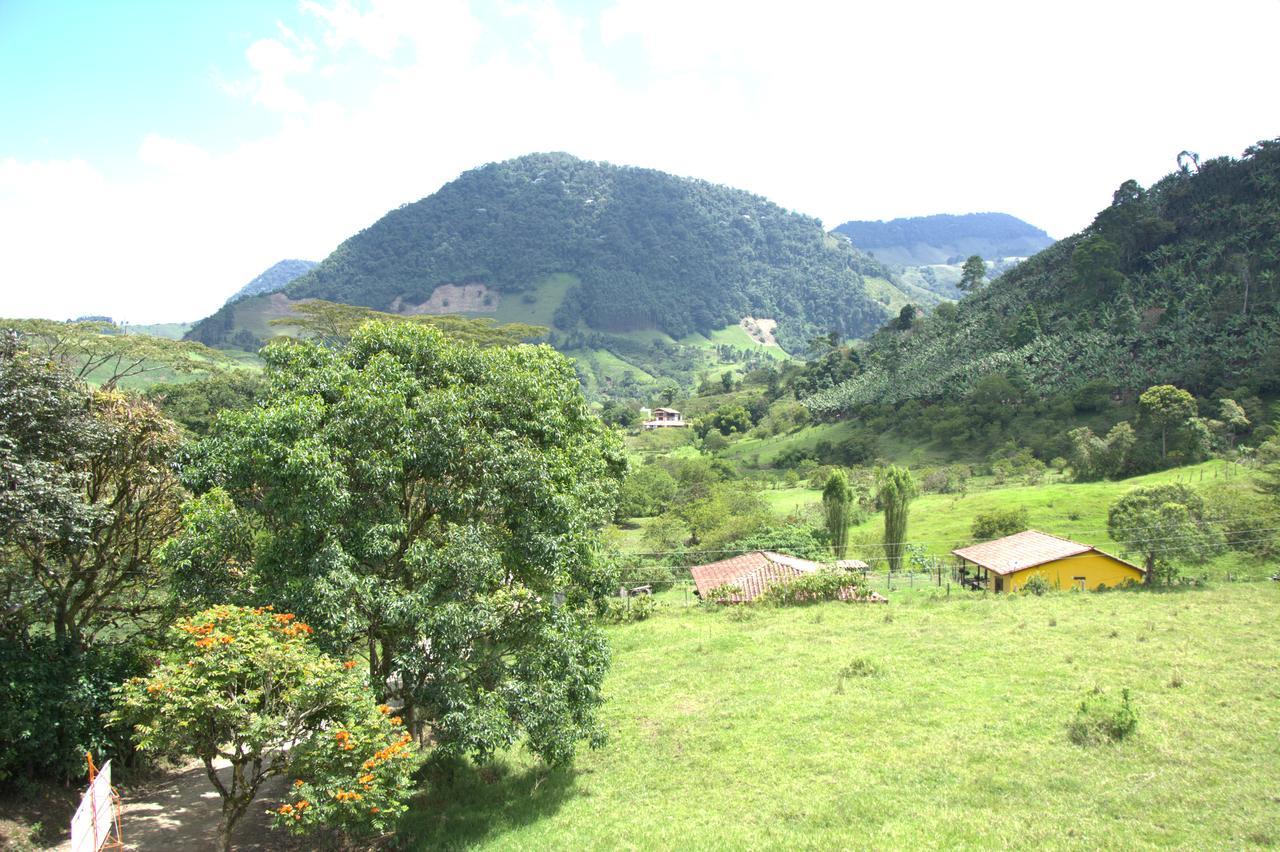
1006 564
751 573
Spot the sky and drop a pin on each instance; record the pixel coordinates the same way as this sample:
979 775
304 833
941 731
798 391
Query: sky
156 156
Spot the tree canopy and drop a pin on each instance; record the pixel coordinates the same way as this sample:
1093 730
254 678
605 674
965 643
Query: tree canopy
427 499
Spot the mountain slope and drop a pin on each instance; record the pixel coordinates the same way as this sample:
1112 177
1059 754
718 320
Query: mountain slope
1178 283
945 239
279 276
647 250
236 322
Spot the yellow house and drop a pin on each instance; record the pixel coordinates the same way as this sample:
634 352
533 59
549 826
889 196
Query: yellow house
1006 564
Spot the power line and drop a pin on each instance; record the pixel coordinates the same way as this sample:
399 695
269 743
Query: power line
1231 535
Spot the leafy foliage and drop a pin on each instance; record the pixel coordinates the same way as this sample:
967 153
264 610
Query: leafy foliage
838 506
425 499
1165 525
247 685
100 352
88 497
52 699
999 523
814 588
895 489
1102 719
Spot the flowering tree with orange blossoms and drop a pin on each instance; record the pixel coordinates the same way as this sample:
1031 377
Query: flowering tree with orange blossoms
246 686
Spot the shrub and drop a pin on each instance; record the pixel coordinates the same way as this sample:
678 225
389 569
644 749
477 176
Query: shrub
1036 585
51 706
249 685
627 610
721 594
811 588
999 523
1102 719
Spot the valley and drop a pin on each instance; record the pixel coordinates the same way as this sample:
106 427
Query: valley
380 450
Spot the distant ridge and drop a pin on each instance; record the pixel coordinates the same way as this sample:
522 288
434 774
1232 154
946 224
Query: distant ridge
276 278
945 238
1171 284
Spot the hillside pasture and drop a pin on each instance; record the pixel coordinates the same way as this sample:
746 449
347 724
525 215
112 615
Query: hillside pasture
930 722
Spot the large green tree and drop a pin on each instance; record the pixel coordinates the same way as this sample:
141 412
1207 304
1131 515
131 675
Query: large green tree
895 488
1168 409
87 496
429 500
972 274
100 352
837 505
1165 525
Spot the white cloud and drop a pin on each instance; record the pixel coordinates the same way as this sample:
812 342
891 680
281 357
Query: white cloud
838 110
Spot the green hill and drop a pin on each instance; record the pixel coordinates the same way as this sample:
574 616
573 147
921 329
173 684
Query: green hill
647 251
1176 283
945 239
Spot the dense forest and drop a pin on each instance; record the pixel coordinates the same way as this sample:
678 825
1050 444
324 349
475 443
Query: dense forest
1171 284
920 240
651 251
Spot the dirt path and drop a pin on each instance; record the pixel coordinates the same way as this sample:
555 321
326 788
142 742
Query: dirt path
182 811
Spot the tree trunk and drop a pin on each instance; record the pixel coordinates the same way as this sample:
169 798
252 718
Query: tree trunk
1150 579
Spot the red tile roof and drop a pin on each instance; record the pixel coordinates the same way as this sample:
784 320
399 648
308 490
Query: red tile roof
753 572
1024 550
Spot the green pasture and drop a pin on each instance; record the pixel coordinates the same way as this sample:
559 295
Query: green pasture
735 729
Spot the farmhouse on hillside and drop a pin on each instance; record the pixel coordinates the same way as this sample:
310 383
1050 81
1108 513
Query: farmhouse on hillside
1006 564
663 417
751 573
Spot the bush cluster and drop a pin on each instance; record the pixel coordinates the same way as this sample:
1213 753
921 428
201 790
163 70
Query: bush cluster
1102 719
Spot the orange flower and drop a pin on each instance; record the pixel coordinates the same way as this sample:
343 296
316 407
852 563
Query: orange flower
350 664
155 687
226 640
396 720
204 643
366 779
373 810
284 617
298 783
285 809
384 709
342 736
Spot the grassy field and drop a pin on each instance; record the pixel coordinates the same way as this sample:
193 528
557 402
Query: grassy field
1074 510
547 293
740 733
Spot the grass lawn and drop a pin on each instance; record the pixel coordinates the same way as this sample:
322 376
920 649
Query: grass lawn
732 733
1076 510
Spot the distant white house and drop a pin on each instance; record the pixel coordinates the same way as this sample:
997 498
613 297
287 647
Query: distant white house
664 417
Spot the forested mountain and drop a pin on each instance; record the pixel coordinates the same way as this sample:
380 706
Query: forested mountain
648 250
1177 283
943 238
274 279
